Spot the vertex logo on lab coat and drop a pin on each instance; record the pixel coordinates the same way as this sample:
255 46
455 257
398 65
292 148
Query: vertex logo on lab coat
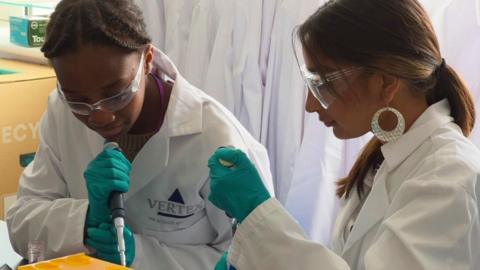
175 207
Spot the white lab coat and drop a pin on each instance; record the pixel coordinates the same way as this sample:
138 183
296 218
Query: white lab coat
203 29
222 56
177 29
282 128
175 226
422 212
155 20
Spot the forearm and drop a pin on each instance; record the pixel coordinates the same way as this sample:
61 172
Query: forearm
59 223
270 239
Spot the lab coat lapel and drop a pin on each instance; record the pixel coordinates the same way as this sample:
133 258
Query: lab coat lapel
373 210
149 162
351 204
184 117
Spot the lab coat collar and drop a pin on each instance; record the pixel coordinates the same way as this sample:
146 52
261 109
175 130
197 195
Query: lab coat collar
373 210
435 116
377 202
184 112
344 216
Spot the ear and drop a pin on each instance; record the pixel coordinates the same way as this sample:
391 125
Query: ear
390 87
148 59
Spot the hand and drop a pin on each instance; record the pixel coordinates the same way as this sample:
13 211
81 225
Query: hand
104 240
109 171
238 189
222 264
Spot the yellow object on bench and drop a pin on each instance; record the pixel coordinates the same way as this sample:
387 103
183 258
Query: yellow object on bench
73 262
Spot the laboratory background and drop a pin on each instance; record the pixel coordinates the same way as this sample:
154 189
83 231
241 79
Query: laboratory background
240 52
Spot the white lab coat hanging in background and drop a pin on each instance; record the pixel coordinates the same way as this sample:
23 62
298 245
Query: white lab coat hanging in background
202 33
178 23
153 14
461 48
283 109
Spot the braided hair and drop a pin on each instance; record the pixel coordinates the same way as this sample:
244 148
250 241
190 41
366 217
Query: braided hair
117 23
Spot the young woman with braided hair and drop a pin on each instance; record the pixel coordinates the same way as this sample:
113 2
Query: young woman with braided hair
114 86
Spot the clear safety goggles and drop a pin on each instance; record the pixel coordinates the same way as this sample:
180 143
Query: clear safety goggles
110 104
322 87
325 88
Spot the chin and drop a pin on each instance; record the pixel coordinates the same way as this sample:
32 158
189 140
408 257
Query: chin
342 135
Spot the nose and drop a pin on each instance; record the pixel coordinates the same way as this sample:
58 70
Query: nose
312 104
99 118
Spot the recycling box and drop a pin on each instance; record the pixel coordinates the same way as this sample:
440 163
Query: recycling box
24 90
28 31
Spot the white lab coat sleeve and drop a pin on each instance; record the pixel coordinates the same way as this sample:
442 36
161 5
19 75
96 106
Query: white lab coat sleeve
270 239
43 210
433 225
430 224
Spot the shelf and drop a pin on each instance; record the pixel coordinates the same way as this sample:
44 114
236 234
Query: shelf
9 8
41 4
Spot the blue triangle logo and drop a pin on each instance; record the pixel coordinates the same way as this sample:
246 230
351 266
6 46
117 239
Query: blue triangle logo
176 197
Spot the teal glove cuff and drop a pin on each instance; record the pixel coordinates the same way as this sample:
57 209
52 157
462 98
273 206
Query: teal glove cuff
222 264
104 240
108 172
237 189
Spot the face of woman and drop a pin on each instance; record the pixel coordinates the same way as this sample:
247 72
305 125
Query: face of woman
357 96
96 72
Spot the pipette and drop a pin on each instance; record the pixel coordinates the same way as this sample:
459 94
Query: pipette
117 206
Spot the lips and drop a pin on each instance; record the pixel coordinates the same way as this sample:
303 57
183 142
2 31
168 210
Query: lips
329 124
110 132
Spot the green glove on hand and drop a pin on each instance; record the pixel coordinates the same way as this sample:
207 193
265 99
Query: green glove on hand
104 240
222 264
109 171
238 189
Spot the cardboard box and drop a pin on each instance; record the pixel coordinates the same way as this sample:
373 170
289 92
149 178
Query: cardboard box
28 31
6 200
24 90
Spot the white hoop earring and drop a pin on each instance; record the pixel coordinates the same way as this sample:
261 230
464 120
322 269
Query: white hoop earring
388 136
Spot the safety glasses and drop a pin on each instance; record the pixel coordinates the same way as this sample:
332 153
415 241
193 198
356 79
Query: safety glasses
325 88
322 87
111 104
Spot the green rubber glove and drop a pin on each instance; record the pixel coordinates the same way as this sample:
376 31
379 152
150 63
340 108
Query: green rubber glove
109 171
104 240
238 189
222 264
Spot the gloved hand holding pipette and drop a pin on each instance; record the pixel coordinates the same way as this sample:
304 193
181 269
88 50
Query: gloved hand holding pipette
108 172
106 177
104 240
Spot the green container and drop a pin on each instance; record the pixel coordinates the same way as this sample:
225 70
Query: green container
7 72
28 31
25 159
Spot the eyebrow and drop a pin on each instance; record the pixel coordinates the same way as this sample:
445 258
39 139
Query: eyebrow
109 85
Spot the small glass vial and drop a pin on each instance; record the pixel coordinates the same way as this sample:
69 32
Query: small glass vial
36 251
